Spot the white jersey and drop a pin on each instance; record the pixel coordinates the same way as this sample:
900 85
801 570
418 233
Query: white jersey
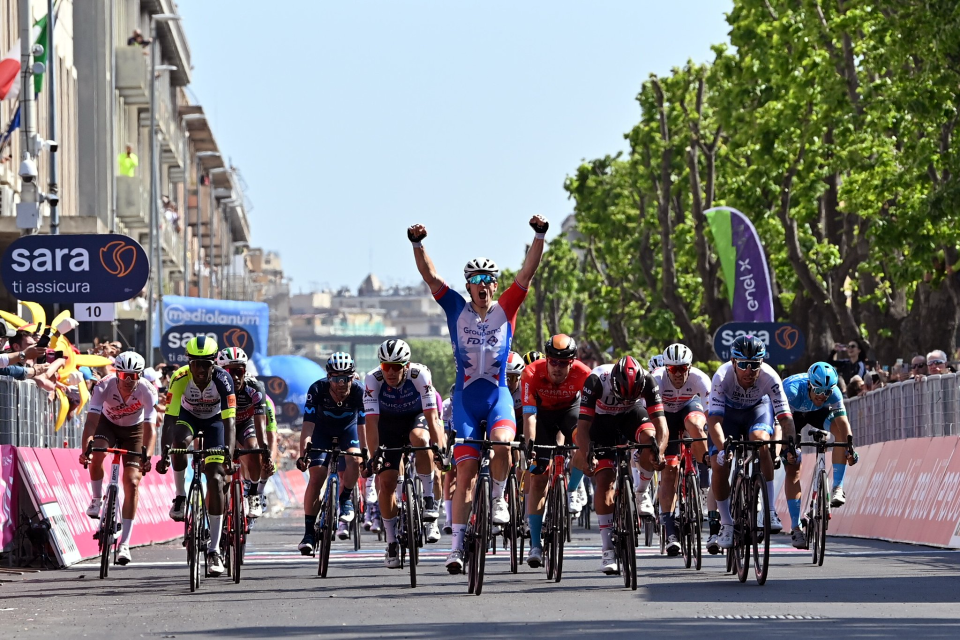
727 392
139 407
697 386
447 414
414 395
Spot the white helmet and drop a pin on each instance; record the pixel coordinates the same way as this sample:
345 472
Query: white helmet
341 362
515 364
677 354
481 265
394 350
231 356
129 362
655 362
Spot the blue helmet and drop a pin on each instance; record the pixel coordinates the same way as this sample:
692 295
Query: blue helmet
748 348
822 377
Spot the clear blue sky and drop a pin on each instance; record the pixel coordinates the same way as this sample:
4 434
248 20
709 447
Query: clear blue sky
352 120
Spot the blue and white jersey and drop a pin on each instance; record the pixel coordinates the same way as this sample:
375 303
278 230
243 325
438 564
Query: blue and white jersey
414 395
797 389
727 392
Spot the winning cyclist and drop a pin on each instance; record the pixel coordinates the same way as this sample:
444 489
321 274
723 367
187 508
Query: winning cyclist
201 401
817 403
395 395
684 389
122 414
551 405
740 406
610 413
481 331
334 409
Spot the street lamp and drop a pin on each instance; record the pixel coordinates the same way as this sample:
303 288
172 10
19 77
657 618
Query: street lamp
202 154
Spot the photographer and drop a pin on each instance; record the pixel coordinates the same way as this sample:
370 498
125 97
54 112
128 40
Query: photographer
849 359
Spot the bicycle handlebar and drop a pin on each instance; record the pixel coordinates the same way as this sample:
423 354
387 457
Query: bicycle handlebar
243 452
142 454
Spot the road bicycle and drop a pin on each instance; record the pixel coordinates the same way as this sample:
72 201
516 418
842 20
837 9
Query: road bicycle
689 511
556 514
233 542
817 518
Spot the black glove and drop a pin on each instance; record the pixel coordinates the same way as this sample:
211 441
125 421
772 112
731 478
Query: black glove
540 228
367 469
162 465
412 237
540 467
529 451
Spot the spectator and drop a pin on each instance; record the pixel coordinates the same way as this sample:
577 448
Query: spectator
127 163
171 214
138 39
918 367
849 359
937 362
855 387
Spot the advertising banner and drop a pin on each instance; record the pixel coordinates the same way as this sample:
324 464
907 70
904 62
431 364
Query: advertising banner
174 343
785 342
8 493
253 317
744 264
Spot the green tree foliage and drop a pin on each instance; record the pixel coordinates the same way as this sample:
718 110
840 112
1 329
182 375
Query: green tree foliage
437 355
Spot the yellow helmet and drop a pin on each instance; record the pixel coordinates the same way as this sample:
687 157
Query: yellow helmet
202 348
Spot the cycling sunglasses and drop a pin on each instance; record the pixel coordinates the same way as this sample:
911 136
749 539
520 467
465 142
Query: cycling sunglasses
392 366
482 278
753 365
678 368
237 368
128 375
822 391
340 379
556 362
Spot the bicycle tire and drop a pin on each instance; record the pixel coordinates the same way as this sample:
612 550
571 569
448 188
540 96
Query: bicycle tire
547 531
481 539
410 513
107 530
761 547
512 531
328 511
696 514
563 523
238 525
628 537
359 508
823 517
741 528
193 524
682 523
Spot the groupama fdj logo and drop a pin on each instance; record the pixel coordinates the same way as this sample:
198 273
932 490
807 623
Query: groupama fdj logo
75 268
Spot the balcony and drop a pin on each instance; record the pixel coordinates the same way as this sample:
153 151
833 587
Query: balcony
132 203
172 248
133 75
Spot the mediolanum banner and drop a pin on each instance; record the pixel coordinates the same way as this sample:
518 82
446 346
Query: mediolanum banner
254 317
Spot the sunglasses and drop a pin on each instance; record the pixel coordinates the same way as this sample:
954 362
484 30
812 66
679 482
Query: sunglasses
340 379
482 278
237 370
203 364
392 366
554 362
679 368
820 391
936 362
753 365
853 345
919 365
128 375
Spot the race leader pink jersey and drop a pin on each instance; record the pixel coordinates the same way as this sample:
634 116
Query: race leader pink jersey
139 407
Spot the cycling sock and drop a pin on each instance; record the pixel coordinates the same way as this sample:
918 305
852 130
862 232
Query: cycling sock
576 477
448 512
216 527
606 531
427 481
247 486
793 506
643 480
456 540
96 487
723 506
390 527
254 489
309 522
771 496
497 487
261 486
669 523
713 519
180 481
126 528
839 470
636 476
536 526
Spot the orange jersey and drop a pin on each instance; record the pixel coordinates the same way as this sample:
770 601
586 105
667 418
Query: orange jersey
539 392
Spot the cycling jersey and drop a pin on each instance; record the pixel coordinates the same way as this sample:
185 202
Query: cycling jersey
217 397
540 393
727 392
333 419
139 407
797 389
271 416
597 397
414 395
697 387
251 401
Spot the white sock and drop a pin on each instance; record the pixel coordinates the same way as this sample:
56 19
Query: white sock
180 481
456 540
644 480
216 527
770 496
448 511
126 528
390 526
427 481
96 488
497 486
606 531
723 506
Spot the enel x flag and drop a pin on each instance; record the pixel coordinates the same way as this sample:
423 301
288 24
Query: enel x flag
744 265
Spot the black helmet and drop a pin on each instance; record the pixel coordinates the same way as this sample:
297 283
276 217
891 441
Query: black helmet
748 348
561 346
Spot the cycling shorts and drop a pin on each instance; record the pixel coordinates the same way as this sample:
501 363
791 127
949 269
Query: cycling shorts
676 424
394 431
211 429
244 433
481 401
815 419
550 422
740 423
611 429
323 438
129 438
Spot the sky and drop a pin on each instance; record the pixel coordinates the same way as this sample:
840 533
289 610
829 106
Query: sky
350 121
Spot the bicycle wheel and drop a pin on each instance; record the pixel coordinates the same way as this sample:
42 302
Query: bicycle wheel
482 538
695 513
547 531
683 524
409 496
563 528
237 517
512 530
627 536
193 524
107 530
741 527
823 518
360 508
760 528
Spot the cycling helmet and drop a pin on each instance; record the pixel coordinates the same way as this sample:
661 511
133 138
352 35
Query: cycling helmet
822 377
394 350
532 356
748 348
232 357
655 362
561 346
677 354
341 362
129 362
515 365
481 265
627 378
202 348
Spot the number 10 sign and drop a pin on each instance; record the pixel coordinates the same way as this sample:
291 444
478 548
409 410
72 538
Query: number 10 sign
95 311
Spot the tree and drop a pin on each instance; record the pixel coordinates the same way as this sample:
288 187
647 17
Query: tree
437 355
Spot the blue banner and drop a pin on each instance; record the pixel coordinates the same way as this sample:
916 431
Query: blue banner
785 342
254 317
298 373
175 339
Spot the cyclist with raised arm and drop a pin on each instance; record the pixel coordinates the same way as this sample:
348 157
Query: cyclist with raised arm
684 389
122 414
816 403
612 412
481 331
250 422
201 400
394 397
334 409
743 392
551 406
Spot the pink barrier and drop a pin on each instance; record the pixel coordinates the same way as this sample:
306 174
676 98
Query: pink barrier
297 483
8 494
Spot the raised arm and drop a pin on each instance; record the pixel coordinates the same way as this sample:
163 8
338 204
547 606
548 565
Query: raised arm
532 261
416 234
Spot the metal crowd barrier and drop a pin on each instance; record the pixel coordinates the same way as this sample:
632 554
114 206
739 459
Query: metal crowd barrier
28 417
910 409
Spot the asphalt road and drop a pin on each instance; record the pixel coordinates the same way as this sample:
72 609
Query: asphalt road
865 589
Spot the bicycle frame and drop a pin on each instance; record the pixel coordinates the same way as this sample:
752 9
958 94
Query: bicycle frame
233 542
556 518
688 504
817 514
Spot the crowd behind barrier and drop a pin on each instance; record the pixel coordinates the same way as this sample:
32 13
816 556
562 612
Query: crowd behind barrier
923 407
28 417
